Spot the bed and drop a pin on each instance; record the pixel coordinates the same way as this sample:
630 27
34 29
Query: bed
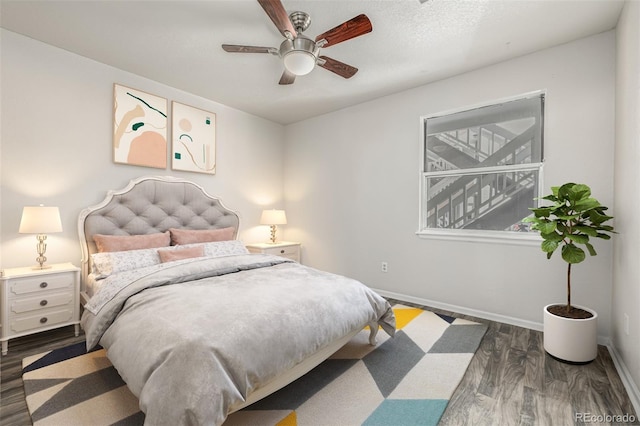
196 325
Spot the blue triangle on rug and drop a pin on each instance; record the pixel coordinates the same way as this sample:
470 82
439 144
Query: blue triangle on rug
58 355
408 412
447 318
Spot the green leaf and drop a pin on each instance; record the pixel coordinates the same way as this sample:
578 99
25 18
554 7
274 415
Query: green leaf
552 236
549 246
568 217
586 204
541 212
598 218
572 253
564 191
592 251
603 236
547 227
581 190
586 230
579 238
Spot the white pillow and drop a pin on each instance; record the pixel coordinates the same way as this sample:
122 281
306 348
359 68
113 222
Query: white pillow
222 248
216 248
107 263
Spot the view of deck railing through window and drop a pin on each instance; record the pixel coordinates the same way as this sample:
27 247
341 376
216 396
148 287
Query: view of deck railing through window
482 167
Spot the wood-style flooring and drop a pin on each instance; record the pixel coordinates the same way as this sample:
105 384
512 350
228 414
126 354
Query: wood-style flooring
510 381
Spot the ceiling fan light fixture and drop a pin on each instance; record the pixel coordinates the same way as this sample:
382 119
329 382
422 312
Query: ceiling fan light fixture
299 53
299 62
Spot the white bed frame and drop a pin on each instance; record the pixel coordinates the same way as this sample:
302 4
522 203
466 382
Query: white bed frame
86 229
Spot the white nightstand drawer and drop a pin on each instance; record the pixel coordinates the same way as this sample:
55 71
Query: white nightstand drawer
20 286
45 319
285 249
44 301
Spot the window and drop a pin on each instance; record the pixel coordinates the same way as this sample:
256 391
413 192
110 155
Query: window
481 168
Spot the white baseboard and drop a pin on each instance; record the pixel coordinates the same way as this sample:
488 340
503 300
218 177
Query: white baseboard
463 310
623 372
519 322
628 382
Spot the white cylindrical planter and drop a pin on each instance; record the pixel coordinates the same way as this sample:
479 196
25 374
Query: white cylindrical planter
571 340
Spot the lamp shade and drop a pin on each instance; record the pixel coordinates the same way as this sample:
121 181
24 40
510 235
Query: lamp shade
40 220
273 217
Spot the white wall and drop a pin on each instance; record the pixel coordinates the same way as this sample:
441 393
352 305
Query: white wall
351 176
56 139
626 267
351 187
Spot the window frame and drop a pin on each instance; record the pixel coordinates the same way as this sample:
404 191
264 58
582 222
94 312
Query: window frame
475 235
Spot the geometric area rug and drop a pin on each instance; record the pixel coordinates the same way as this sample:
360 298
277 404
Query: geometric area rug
405 380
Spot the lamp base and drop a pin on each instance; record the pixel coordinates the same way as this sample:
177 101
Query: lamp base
273 234
38 267
42 249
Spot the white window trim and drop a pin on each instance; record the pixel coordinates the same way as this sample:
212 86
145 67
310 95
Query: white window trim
485 170
475 236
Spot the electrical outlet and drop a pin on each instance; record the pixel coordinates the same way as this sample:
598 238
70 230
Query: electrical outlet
626 324
384 267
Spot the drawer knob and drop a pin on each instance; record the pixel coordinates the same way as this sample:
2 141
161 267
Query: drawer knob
43 320
281 251
43 303
44 284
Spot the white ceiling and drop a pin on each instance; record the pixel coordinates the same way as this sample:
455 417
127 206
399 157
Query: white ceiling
178 43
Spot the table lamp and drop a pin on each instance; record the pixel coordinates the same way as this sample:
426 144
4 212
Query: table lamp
273 218
40 220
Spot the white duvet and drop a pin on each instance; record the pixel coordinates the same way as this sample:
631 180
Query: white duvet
193 339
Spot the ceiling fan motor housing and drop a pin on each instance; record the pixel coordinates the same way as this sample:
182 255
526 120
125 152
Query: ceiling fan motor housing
300 20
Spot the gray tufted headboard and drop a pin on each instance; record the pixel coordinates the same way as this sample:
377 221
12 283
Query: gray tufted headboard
149 205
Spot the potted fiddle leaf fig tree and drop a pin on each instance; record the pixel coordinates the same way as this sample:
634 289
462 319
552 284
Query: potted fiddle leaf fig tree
570 223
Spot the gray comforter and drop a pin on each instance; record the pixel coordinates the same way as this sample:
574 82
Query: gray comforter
194 339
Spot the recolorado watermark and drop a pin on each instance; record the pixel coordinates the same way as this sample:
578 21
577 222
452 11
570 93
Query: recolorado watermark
605 418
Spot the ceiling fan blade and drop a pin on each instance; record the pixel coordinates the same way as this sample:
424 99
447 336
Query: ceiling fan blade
340 68
354 27
234 48
287 78
275 10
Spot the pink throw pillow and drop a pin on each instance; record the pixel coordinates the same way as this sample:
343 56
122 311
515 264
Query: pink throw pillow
192 236
109 243
169 255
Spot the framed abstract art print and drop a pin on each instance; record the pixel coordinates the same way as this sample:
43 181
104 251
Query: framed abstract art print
193 139
139 128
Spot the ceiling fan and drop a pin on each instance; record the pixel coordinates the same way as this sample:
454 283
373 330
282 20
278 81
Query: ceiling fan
299 53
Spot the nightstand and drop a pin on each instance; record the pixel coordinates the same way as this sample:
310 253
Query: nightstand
282 248
34 300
